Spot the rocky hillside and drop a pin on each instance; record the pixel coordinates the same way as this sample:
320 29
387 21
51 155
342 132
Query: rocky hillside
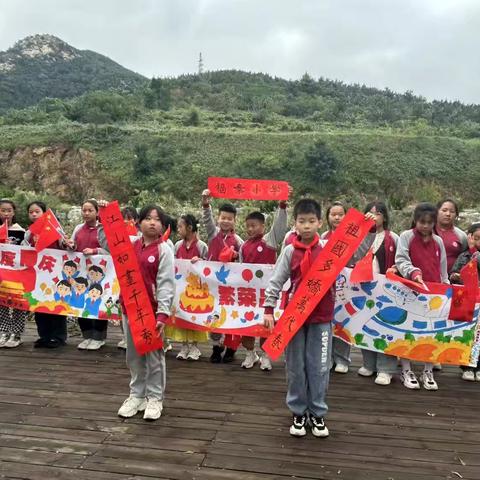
42 66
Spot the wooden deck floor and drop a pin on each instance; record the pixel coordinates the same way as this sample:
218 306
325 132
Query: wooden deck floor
58 421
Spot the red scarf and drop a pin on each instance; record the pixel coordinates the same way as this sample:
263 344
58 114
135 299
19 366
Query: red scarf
307 256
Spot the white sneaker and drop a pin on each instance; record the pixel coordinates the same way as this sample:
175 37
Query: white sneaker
153 410
251 358
339 368
3 339
131 406
84 344
194 353
13 341
265 363
437 366
95 344
365 372
428 381
409 380
468 375
477 376
183 353
167 346
383 378
122 344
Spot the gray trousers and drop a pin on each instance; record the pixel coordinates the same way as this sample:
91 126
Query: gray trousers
308 369
148 372
379 362
341 352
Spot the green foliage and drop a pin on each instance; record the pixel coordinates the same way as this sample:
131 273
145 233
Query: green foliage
192 119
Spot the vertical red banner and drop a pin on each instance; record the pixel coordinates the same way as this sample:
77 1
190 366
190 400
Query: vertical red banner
141 317
248 189
322 274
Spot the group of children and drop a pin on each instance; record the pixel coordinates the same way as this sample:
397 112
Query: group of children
433 250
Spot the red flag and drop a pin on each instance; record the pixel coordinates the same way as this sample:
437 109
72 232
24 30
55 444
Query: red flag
166 235
131 228
48 235
363 270
465 296
4 232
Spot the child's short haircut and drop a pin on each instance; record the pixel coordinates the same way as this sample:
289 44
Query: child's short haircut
259 216
228 208
190 221
170 222
40 204
95 268
424 209
130 212
307 206
145 211
70 263
65 283
96 286
82 281
473 228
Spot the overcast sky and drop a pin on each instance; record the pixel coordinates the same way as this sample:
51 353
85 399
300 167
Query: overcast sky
428 46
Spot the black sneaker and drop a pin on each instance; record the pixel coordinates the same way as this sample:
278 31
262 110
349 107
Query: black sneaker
40 343
229 355
298 426
216 356
319 429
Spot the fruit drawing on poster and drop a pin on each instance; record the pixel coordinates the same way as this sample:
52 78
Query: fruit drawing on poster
58 282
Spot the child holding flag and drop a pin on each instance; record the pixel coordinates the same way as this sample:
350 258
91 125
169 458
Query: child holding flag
12 321
223 246
52 329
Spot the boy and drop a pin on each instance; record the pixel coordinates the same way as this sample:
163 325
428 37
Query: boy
262 249
308 353
223 246
470 374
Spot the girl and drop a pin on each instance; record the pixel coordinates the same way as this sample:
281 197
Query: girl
454 239
335 213
52 329
188 248
384 245
85 239
155 259
12 321
421 257
340 349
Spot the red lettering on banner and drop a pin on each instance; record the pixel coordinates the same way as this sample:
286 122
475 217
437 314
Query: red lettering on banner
319 279
226 295
247 189
8 258
47 263
141 317
247 297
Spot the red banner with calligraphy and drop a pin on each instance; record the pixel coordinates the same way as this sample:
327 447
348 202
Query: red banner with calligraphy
322 274
248 189
141 317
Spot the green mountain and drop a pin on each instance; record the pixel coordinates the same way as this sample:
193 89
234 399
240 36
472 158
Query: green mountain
42 66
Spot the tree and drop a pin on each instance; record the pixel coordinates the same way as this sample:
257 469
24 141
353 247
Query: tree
321 168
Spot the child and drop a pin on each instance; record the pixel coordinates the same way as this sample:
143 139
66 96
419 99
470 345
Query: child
223 246
190 247
262 249
148 372
470 374
52 329
454 239
12 321
85 239
308 352
340 349
421 257
384 246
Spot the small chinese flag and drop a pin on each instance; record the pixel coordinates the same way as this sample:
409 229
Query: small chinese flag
47 229
4 232
363 270
166 235
469 276
131 228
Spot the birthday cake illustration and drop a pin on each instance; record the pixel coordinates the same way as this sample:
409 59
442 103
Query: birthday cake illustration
196 297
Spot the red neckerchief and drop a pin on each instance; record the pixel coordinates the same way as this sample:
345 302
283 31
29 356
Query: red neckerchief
307 256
